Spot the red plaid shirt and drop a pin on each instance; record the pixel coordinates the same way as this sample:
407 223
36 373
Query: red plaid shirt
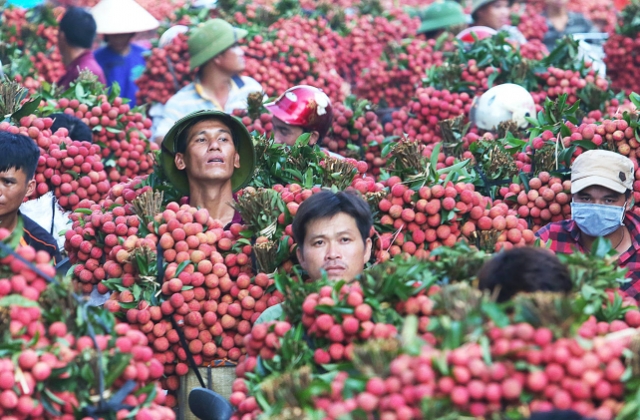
565 239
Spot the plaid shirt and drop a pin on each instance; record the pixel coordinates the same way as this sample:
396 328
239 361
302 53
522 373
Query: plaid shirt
565 239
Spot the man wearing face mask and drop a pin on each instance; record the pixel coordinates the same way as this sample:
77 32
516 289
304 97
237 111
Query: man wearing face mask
601 186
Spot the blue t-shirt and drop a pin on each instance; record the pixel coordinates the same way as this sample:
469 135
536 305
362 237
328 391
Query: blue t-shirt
122 69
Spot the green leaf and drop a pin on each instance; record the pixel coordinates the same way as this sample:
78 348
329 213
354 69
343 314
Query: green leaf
497 315
84 211
634 97
386 150
585 144
181 267
26 109
601 248
80 93
116 369
18 300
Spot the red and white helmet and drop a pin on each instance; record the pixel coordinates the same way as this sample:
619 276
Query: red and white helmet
304 106
507 102
480 32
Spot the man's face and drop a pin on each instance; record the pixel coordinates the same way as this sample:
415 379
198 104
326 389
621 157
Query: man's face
334 245
14 187
231 60
62 42
494 15
284 133
596 194
210 154
119 42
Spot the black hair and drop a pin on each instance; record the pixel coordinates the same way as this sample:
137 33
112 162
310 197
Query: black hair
18 152
327 204
556 415
77 129
524 269
182 136
79 27
627 194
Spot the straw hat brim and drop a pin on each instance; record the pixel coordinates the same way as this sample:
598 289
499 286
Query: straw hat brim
122 17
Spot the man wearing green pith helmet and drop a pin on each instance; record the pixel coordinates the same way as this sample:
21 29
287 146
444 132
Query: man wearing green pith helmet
439 17
214 52
209 155
496 14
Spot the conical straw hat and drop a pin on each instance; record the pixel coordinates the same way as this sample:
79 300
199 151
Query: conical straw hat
122 17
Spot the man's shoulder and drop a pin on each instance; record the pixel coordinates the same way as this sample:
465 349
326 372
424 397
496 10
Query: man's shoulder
251 83
182 99
553 229
37 237
186 92
138 49
634 225
101 53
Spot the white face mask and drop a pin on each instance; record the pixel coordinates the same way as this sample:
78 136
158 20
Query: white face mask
597 220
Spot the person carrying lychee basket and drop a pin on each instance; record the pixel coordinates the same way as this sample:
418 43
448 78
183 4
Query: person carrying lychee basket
18 161
332 233
207 156
440 17
214 52
301 109
602 191
121 60
77 30
495 14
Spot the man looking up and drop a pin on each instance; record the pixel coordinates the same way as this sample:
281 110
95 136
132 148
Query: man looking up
75 39
219 61
208 155
602 185
332 231
18 160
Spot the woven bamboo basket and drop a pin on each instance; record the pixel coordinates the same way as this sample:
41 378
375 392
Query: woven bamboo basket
216 378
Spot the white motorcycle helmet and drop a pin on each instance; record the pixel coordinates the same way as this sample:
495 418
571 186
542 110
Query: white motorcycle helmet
170 34
507 102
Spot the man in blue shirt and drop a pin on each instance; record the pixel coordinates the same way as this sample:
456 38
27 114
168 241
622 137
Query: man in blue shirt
121 60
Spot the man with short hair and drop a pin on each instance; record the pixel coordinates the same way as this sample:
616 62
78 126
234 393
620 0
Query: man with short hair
214 52
602 187
18 161
332 231
76 33
208 155
524 270
76 128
